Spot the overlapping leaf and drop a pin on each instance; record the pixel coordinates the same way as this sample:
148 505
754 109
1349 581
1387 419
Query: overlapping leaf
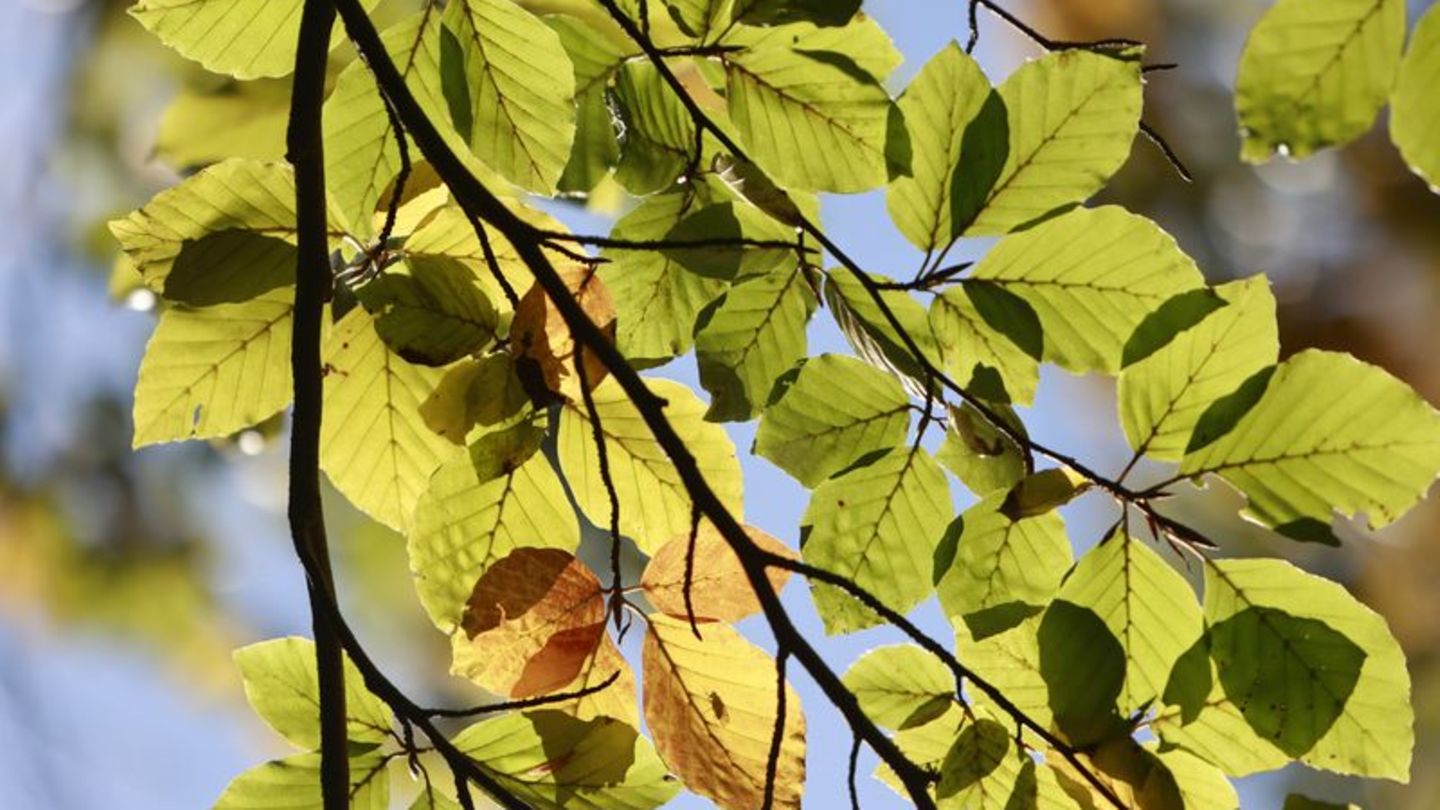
293 783
835 410
719 588
712 707
1315 74
901 686
654 504
542 336
1071 116
431 311
374 445
1092 276
1328 433
753 335
877 524
282 687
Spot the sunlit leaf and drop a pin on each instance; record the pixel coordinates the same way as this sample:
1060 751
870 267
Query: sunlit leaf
211 371
654 504
618 700
430 310
1329 433
595 57
552 760
238 120
712 706
1071 117
282 687
1315 74
1414 110
719 589
1092 276
659 141
901 686
293 783
520 91
988 334
878 524
541 334
753 335
835 410
869 331
374 445
983 457
535 617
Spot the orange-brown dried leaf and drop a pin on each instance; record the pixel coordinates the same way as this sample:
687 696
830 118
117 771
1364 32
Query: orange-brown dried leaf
711 707
532 621
618 700
719 588
541 335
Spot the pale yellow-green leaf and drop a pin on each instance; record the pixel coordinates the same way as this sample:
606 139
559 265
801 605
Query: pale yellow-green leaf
281 685
1315 73
753 335
374 445
654 504
237 120
1414 106
211 371
718 586
293 783
901 686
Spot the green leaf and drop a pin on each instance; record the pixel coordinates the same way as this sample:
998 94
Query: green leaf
814 119
735 220
901 686
654 504
520 91
1201 784
236 195
985 332
210 372
362 157
657 299
1009 661
1003 571
1148 607
1092 276
958 139
983 769
229 267
659 142
1072 116
374 445
978 453
870 332
877 524
753 335
1083 666
1162 396
478 508
246 39
1316 74
293 783
553 760
1304 672
702 19
282 687
236 120
773 12
596 57
1043 492
925 745
1414 109
1328 433
836 410
430 310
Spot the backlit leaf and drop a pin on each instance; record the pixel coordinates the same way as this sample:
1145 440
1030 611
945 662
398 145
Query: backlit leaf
719 589
755 333
374 445
1072 116
535 617
978 453
1414 110
654 504
282 687
901 686
211 371
1315 74
836 410
1092 276
659 141
878 524
430 310
541 334
986 335
712 706
293 783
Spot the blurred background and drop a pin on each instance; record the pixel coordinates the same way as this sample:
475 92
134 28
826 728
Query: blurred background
127 578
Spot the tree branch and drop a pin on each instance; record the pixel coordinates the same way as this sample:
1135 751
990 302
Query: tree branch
472 196
306 152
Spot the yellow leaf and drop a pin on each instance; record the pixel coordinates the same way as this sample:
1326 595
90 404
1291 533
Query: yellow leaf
719 588
711 706
616 700
532 621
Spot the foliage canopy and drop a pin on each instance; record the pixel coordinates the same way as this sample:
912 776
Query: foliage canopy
466 407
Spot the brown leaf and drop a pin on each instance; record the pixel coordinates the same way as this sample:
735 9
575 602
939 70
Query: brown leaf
711 706
616 700
533 620
719 588
541 334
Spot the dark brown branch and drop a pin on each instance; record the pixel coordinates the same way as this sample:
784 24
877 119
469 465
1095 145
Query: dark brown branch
688 589
527 703
850 774
472 195
392 208
777 736
602 457
305 146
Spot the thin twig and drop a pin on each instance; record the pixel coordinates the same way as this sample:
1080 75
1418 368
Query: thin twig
392 208
602 456
526 703
777 736
690 572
